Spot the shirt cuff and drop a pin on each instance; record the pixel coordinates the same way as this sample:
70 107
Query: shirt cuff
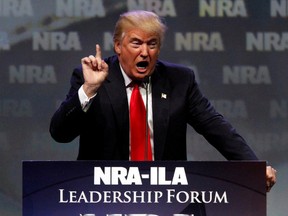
84 99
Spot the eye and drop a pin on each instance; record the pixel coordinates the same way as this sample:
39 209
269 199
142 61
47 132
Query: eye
153 44
136 43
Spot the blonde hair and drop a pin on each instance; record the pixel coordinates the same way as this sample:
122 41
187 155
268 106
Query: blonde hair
144 20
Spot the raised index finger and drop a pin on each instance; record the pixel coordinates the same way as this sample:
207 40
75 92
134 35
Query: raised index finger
98 52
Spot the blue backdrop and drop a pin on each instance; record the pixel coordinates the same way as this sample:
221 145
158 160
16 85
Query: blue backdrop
237 48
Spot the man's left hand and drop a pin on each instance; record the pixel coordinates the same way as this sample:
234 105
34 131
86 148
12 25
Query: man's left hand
270 177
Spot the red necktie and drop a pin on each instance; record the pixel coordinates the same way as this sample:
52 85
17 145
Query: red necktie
140 140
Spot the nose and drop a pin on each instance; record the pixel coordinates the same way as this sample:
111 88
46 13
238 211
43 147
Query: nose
144 50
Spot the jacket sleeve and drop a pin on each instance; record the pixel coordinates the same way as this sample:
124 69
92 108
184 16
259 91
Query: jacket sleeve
66 122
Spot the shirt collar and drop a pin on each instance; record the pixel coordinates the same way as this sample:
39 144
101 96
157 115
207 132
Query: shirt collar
127 79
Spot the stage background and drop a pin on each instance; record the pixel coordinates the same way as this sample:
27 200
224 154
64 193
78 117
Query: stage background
237 48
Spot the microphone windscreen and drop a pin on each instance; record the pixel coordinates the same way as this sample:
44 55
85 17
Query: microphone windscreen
146 80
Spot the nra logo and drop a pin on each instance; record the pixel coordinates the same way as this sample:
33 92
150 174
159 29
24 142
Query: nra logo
132 175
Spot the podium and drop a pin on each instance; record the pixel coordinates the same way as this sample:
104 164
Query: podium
123 188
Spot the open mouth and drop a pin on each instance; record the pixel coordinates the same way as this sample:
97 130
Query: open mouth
142 65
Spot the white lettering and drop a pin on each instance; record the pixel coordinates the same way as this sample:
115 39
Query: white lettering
231 109
267 41
109 196
196 197
221 8
279 8
15 108
4 41
80 8
246 75
162 8
16 8
179 176
56 41
28 74
198 41
108 41
117 175
267 142
132 175
278 109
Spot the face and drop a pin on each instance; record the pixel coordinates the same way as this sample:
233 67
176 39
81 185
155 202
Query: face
138 52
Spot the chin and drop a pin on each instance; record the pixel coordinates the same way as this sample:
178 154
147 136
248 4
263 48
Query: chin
140 75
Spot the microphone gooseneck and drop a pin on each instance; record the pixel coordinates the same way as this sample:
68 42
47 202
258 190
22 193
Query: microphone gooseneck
146 83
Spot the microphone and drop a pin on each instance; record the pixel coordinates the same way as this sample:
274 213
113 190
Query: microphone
146 80
146 83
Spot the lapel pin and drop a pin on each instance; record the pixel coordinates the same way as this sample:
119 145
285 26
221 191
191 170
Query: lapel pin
163 95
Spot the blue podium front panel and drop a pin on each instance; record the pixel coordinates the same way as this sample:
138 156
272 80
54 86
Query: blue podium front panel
105 188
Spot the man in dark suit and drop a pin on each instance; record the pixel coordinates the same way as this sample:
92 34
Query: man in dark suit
97 105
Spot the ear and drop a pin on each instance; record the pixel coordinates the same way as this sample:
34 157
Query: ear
117 47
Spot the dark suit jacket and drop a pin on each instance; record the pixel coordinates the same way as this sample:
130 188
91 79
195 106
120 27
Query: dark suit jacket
104 128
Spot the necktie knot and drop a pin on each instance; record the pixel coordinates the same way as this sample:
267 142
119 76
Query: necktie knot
136 84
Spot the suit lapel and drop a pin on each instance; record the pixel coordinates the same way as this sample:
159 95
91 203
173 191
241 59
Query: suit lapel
160 103
116 91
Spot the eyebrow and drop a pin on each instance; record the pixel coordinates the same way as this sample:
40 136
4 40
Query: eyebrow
139 39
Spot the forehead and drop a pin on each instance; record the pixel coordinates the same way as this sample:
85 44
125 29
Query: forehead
141 35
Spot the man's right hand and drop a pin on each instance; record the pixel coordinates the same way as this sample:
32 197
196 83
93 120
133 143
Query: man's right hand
95 71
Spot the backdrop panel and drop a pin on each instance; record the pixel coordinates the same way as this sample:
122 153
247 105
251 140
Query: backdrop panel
237 48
